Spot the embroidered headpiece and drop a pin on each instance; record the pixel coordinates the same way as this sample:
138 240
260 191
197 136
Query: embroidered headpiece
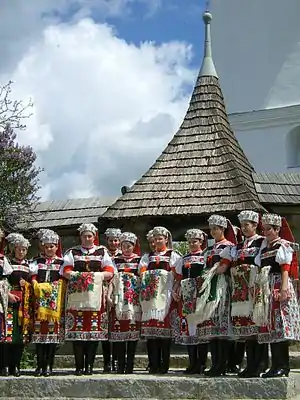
160 230
150 235
248 215
13 237
128 237
50 237
113 233
41 232
21 241
271 219
87 228
194 234
218 220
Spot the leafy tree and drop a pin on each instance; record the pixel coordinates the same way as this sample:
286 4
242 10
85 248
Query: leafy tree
18 173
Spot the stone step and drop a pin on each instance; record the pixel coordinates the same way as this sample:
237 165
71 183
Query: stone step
141 361
143 386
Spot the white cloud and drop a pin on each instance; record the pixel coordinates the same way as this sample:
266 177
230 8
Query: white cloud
104 109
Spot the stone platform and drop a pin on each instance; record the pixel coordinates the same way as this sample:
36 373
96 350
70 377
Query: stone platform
142 386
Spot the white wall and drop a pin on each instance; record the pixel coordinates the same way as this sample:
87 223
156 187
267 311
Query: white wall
256 49
264 137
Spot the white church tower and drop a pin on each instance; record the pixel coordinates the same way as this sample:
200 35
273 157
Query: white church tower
256 48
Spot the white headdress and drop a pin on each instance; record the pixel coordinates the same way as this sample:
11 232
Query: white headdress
218 220
271 219
128 237
161 230
113 233
21 241
87 228
41 232
194 234
49 237
150 235
248 215
13 237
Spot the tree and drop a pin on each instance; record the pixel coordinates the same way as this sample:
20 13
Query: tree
18 173
12 112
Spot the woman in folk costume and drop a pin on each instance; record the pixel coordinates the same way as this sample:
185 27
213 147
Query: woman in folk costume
86 267
159 288
49 292
19 316
213 303
112 236
243 274
5 296
191 267
151 240
126 314
276 310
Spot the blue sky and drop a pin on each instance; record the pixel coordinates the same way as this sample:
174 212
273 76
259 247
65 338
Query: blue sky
172 20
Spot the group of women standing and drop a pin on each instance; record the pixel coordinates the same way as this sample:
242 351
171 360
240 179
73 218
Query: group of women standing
241 289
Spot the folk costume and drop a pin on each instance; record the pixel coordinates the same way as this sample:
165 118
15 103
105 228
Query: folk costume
86 268
243 273
5 271
109 351
276 310
49 293
159 310
191 267
126 313
214 298
19 313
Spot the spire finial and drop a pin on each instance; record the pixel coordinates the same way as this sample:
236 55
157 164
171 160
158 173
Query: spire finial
208 67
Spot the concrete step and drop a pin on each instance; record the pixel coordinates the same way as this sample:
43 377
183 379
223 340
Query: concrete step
143 386
141 361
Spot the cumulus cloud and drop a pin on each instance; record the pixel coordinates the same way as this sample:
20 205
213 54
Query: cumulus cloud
103 108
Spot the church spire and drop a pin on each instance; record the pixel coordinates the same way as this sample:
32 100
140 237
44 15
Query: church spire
208 67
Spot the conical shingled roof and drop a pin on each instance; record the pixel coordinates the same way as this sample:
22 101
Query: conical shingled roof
203 170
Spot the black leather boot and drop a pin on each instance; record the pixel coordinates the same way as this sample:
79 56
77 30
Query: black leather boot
252 367
202 350
165 354
215 356
78 349
106 356
131 348
193 358
121 352
40 354
90 355
154 355
17 352
280 361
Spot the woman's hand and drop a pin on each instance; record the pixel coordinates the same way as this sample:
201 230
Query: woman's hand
284 293
13 298
109 303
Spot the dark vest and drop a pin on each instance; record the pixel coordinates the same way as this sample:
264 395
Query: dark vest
122 264
212 253
193 265
247 255
85 262
268 255
160 261
20 271
48 272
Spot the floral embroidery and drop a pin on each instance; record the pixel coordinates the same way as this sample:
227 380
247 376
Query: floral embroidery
49 299
149 286
240 283
131 289
189 292
81 282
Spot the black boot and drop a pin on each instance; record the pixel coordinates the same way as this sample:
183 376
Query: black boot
262 357
90 355
49 359
165 354
202 350
40 354
17 352
252 367
121 352
214 351
6 348
235 355
131 348
52 357
106 356
280 360
78 349
114 361
154 355
193 356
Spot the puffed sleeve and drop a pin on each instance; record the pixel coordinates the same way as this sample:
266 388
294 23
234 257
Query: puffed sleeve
228 253
179 266
33 269
284 256
143 265
7 268
107 263
68 263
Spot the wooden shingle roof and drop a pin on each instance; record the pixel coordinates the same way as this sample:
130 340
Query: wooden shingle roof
278 188
203 169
